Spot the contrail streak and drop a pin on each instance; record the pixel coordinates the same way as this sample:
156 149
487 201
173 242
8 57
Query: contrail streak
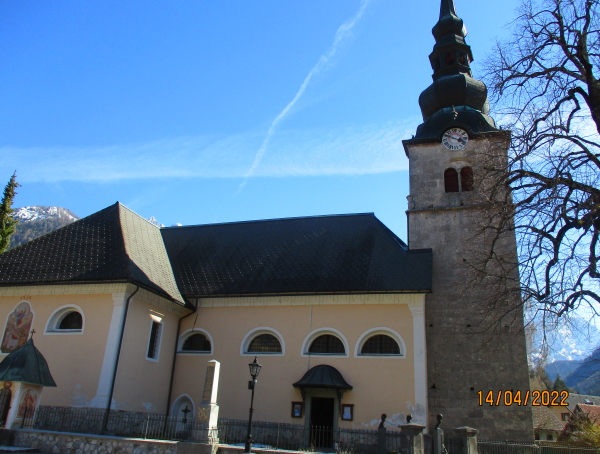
340 35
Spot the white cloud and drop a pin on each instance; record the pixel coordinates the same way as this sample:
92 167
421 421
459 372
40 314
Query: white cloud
365 149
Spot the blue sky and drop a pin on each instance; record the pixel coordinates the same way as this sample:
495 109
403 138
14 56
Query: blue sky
199 112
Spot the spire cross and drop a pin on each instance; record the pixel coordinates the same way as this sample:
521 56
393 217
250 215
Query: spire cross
32 333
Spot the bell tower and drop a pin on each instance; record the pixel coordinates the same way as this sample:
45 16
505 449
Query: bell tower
447 156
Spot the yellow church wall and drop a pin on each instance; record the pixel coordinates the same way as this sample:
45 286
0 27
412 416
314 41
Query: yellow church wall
380 385
142 384
74 359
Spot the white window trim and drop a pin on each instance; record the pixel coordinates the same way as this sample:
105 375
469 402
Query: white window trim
319 332
177 403
57 316
257 332
373 332
153 320
189 333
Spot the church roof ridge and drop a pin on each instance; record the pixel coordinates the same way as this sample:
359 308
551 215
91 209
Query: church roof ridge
293 218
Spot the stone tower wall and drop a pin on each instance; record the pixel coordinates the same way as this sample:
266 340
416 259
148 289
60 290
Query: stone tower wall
466 353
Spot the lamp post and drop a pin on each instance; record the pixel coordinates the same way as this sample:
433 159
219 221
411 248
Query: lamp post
254 371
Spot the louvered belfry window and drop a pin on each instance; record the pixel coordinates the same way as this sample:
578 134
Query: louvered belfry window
451 180
466 178
265 343
380 344
197 343
327 344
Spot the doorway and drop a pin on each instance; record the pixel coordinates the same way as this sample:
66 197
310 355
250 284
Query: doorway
321 421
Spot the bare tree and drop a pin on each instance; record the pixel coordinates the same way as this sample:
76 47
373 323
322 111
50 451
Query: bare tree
544 83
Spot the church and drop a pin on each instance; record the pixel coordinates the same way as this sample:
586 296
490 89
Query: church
347 320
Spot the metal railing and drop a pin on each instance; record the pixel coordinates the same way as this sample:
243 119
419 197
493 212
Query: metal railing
160 427
308 438
510 447
119 424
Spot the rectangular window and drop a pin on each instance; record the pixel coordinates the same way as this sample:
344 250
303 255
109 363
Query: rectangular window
154 343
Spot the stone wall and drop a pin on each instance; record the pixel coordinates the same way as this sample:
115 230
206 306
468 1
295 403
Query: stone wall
70 443
472 345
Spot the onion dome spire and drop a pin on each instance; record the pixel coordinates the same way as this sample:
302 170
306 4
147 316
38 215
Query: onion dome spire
451 54
455 98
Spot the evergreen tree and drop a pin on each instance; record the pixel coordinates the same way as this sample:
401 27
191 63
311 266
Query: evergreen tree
7 222
559 384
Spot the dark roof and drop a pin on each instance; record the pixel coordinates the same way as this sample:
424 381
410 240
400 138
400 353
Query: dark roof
112 245
322 376
318 254
585 399
338 253
26 364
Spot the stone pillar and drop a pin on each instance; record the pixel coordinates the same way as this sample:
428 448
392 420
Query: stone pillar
438 440
412 438
381 436
420 361
14 405
468 437
208 410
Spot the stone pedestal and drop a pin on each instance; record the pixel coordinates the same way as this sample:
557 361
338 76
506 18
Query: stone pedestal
208 410
412 438
438 440
468 437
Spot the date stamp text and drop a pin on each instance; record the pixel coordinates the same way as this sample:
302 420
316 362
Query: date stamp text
536 398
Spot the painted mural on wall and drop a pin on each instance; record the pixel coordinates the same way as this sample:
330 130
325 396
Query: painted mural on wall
28 403
17 329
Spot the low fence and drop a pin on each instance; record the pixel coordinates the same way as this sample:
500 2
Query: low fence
119 423
264 434
268 435
299 437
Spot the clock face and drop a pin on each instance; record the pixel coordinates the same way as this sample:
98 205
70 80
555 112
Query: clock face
455 138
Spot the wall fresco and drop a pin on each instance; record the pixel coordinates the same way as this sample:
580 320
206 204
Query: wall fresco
17 329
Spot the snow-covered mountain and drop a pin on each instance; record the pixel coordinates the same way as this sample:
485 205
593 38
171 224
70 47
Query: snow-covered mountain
27 214
37 221
570 340
152 220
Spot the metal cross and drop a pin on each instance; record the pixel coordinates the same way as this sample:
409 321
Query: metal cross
185 412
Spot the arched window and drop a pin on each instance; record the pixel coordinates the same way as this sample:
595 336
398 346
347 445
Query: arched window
451 180
196 343
265 343
327 344
380 344
72 320
68 319
466 179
